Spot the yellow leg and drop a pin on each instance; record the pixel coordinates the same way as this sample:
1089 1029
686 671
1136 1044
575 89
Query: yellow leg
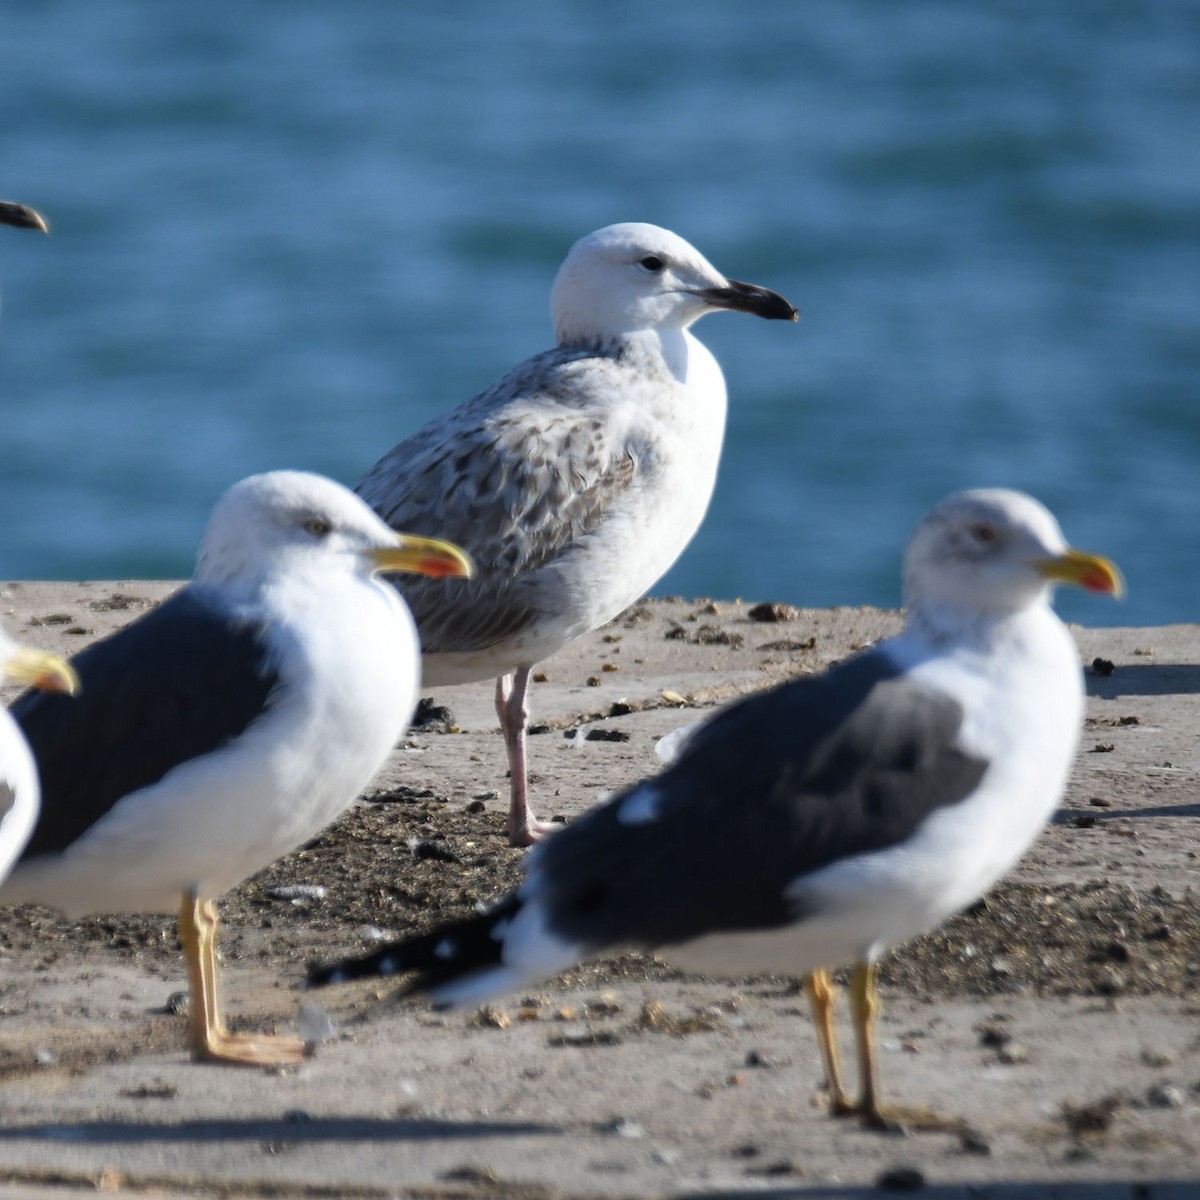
820 1000
864 1006
210 1040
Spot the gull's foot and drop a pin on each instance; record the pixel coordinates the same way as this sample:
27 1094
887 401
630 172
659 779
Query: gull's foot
900 1120
253 1050
529 831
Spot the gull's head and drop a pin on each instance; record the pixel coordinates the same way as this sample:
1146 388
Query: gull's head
35 668
632 277
992 552
292 523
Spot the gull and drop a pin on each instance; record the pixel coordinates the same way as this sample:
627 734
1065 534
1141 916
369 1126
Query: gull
576 480
229 725
18 775
825 821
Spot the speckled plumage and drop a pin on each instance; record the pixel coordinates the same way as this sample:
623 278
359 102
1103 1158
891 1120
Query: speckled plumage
577 479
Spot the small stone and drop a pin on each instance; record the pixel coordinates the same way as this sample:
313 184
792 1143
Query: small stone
432 717
177 1004
593 681
1158 1058
422 850
540 677
1012 1054
298 893
624 1127
1103 748
781 1166
1103 666
900 1179
492 1018
971 1141
773 612
1166 1095
993 1036
1099 802
476 806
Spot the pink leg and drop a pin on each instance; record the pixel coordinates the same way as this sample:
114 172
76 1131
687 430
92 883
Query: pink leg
523 828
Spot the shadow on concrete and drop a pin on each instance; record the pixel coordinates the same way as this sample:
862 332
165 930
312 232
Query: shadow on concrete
1145 679
1040 1190
273 1129
1069 816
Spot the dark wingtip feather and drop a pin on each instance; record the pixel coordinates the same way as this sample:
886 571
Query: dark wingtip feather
446 953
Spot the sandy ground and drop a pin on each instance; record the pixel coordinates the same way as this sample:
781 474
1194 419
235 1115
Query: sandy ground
1058 1023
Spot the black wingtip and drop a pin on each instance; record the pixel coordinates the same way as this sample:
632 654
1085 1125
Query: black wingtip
380 963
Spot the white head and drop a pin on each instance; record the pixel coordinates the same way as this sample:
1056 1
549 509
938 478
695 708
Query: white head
630 277
292 522
992 552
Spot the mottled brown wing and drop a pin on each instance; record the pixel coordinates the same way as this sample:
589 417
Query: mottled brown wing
518 481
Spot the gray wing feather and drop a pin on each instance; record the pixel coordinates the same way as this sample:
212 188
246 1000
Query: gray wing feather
519 475
775 787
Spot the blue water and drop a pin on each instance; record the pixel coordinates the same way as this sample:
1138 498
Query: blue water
287 235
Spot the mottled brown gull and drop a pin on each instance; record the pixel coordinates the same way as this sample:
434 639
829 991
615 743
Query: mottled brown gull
576 480
827 820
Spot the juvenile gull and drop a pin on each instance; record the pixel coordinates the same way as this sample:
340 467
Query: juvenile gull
22 216
830 819
576 480
229 725
18 775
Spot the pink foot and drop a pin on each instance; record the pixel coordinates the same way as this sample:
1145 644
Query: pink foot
529 831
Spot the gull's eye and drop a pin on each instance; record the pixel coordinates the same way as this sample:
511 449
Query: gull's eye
983 533
652 263
319 527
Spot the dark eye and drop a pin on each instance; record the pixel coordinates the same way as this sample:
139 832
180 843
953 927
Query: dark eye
983 533
652 263
318 527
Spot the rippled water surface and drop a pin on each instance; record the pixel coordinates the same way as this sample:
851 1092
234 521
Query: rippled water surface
287 235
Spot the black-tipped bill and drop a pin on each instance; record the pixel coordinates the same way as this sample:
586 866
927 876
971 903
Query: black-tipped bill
22 216
749 298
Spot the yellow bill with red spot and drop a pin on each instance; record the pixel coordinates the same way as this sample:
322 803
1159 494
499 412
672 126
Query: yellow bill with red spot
1091 572
46 672
424 556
